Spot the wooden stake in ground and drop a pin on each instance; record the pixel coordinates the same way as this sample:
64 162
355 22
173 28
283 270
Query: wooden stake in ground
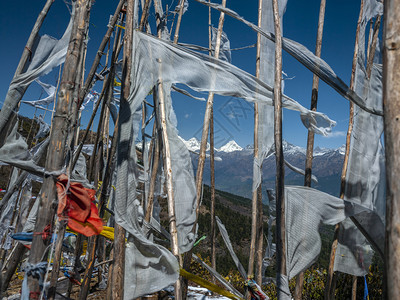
58 135
391 104
310 137
213 232
7 125
118 270
280 171
254 207
169 183
203 145
330 283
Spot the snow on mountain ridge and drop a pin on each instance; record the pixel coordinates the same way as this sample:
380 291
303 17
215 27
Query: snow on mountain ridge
231 146
193 144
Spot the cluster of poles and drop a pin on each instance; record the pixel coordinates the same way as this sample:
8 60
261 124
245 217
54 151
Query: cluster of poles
65 131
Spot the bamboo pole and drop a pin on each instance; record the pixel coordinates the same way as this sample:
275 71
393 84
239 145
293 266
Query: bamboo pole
118 272
310 136
203 146
330 282
59 133
280 171
391 104
6 125
254 206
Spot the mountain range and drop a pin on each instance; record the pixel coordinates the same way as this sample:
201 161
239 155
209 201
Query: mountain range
234 167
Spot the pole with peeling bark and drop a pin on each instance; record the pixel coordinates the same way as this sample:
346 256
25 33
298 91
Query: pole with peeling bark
118 270
61 224
310 136
59 133
330 282
280 171
391 104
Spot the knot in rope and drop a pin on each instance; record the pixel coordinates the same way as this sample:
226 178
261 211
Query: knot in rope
45 233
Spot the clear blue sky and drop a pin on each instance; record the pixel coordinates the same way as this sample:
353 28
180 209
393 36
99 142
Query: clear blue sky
234 118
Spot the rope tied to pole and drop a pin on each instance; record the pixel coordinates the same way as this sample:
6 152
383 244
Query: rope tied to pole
46 233
36 271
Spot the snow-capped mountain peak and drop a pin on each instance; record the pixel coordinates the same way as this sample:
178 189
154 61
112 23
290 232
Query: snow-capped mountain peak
341 149
321 151
292 149
231 146
193 144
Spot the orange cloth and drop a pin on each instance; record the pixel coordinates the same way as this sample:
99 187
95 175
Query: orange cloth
77 204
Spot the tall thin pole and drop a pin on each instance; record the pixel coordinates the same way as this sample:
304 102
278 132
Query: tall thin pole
310 136
280 171
254 207
212 167
169 183
59 132
61 224
391 104
178 23
203 144
88 83
118 271
330 282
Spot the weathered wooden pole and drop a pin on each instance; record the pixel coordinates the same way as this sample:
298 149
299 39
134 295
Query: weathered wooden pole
118 270
391 105
169 182
310 136
203 145
178 23
93 242
254 206
213 232
154 167
61 224
280 171
88 83
6 125
330 282
145 14
59 133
